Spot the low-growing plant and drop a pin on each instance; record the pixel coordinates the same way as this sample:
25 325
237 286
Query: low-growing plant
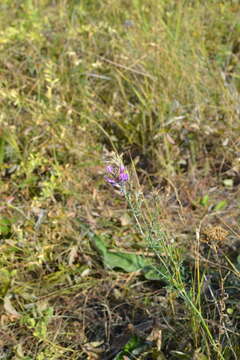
171 258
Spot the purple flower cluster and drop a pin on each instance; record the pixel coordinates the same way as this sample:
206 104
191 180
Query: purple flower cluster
116 176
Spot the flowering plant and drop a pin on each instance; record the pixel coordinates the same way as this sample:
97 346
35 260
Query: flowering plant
116 173
116 176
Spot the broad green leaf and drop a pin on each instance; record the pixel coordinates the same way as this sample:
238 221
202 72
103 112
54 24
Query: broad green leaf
137 346
221 205
128 262
132 344
5 226
204 200
151 272
125 261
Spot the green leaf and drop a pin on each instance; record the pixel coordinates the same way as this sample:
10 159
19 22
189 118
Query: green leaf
128 262
5 226
204 200
221 205
152 272
124 261
40 329
132 344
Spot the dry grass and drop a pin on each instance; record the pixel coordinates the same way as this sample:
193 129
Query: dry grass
159 82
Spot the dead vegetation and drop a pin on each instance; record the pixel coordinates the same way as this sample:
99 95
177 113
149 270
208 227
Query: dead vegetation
157 81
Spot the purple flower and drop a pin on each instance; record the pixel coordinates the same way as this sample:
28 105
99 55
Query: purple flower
109 169
116 176
123 176
110 181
